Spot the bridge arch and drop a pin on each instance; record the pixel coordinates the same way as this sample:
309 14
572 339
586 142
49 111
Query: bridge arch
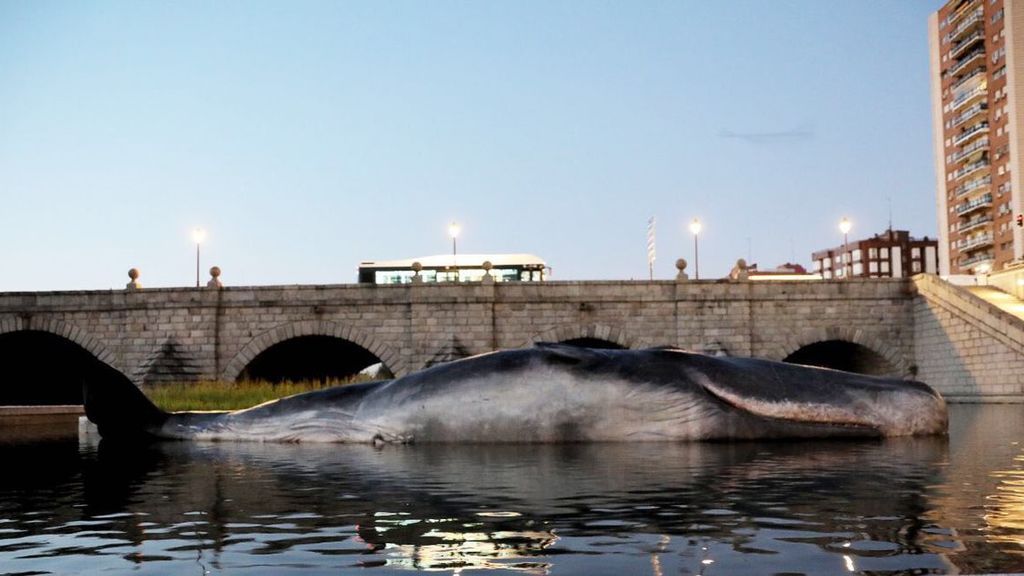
585 334
45 362
853 350
63 329
315 333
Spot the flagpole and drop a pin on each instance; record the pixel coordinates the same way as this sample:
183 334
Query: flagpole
650 247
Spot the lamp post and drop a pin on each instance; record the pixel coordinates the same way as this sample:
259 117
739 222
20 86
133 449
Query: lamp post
198 235
844 227
695 227
453 231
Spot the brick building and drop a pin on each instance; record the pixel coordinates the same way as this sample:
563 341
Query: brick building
891 254
977 66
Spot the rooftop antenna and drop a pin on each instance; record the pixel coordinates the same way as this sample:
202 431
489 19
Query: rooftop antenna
889 198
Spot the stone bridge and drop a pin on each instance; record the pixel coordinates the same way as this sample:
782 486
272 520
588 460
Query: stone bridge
49 339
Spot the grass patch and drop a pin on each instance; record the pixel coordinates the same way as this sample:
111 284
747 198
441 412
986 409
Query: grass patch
213 395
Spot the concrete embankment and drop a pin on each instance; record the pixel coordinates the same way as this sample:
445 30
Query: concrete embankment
35 423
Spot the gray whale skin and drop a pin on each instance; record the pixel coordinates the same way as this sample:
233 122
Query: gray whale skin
556 393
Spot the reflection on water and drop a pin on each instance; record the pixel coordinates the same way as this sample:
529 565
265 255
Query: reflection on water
895 507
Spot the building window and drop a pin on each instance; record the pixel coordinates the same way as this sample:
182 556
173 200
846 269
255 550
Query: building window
885 253
915 266
858 269
885 266
872 253
915 253
873 267
828 263
856 255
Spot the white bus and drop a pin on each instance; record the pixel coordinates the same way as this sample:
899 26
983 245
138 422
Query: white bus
451 268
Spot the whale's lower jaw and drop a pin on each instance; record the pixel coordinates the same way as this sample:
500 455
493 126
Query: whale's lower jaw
738 427
595 412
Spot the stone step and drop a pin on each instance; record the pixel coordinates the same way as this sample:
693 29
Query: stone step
1005 302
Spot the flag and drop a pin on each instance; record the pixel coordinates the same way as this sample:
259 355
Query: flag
650 246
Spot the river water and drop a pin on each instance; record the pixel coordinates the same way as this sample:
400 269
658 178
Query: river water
906 506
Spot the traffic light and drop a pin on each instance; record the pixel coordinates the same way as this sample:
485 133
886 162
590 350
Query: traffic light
1020 219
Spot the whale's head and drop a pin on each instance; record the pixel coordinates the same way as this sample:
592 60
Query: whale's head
778 393
892 407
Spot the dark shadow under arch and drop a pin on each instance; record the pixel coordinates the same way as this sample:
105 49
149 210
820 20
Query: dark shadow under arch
309 358
587 342
843 355
39 368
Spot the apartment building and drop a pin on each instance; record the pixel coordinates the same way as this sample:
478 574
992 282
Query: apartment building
977 50
891 254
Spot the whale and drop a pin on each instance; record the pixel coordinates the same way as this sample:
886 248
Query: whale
554 393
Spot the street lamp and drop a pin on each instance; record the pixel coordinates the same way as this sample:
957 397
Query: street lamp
695 228
453 231
198 235
844 227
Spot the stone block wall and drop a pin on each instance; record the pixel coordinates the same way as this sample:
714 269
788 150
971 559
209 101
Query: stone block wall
186 333
965 347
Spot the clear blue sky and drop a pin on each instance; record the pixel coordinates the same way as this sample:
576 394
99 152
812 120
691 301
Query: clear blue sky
308 136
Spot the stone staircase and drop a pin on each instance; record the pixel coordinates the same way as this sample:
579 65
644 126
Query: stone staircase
969 340
1005 302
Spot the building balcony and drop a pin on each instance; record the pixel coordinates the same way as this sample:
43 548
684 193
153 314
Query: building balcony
979 145
976 242
962 46
974 74
976 204
971 168
976 260
974 224
970 96
966 25
968 114
972 185
970 132
965 10
975 57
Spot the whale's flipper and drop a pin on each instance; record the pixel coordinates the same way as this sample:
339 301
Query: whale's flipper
119 409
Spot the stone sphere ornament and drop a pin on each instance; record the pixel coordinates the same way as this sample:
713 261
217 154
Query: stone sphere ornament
134 275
